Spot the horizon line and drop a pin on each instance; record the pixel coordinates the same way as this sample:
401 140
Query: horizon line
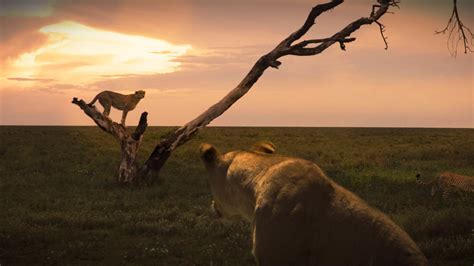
256 126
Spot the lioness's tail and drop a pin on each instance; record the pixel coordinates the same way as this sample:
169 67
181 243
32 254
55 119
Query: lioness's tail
93 100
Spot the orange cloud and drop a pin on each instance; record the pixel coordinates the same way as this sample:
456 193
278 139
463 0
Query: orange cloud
85 54
31 79
20 35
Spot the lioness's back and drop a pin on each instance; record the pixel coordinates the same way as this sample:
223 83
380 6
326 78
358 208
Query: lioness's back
296 191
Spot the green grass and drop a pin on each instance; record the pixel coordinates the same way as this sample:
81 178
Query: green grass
59 203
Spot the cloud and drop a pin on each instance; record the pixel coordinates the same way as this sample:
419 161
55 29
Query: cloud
27 8
204 69
219 57
165 52
31 79
84 54
119 76
216 69
20 36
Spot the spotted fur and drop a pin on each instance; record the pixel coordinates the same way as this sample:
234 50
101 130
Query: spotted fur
448 182
122 102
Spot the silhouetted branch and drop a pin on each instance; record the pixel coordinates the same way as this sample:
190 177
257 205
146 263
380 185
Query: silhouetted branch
457 32
382 30
377 12
285 47
393 3
142 125
341 42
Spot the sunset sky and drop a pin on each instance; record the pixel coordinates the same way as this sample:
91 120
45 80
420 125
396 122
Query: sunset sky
188 54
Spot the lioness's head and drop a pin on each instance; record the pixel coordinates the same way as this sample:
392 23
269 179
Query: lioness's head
208 153
212 159
217 166
139 94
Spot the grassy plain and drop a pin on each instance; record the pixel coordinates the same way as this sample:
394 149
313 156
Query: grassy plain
59 203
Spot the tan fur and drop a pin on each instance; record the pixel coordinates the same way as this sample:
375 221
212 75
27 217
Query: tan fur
122 102
301 217
448 182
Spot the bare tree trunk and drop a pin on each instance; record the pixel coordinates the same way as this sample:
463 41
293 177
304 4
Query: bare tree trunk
129 143
128 165
128 172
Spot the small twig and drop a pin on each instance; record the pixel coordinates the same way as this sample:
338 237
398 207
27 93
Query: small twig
382 30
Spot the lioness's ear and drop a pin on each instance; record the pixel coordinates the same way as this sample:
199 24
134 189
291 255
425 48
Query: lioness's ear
264 147
208 152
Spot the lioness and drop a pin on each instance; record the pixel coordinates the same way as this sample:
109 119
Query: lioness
299 216
122 102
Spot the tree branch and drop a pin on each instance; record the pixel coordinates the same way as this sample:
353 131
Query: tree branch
303 44
346 31
310 21
457 32
382 30
285 47
104 122
142 125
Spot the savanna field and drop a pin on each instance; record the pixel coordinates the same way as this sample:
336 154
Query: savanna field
59 202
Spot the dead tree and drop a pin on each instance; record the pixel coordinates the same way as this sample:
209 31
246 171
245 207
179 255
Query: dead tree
291 45
457 33
129 143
